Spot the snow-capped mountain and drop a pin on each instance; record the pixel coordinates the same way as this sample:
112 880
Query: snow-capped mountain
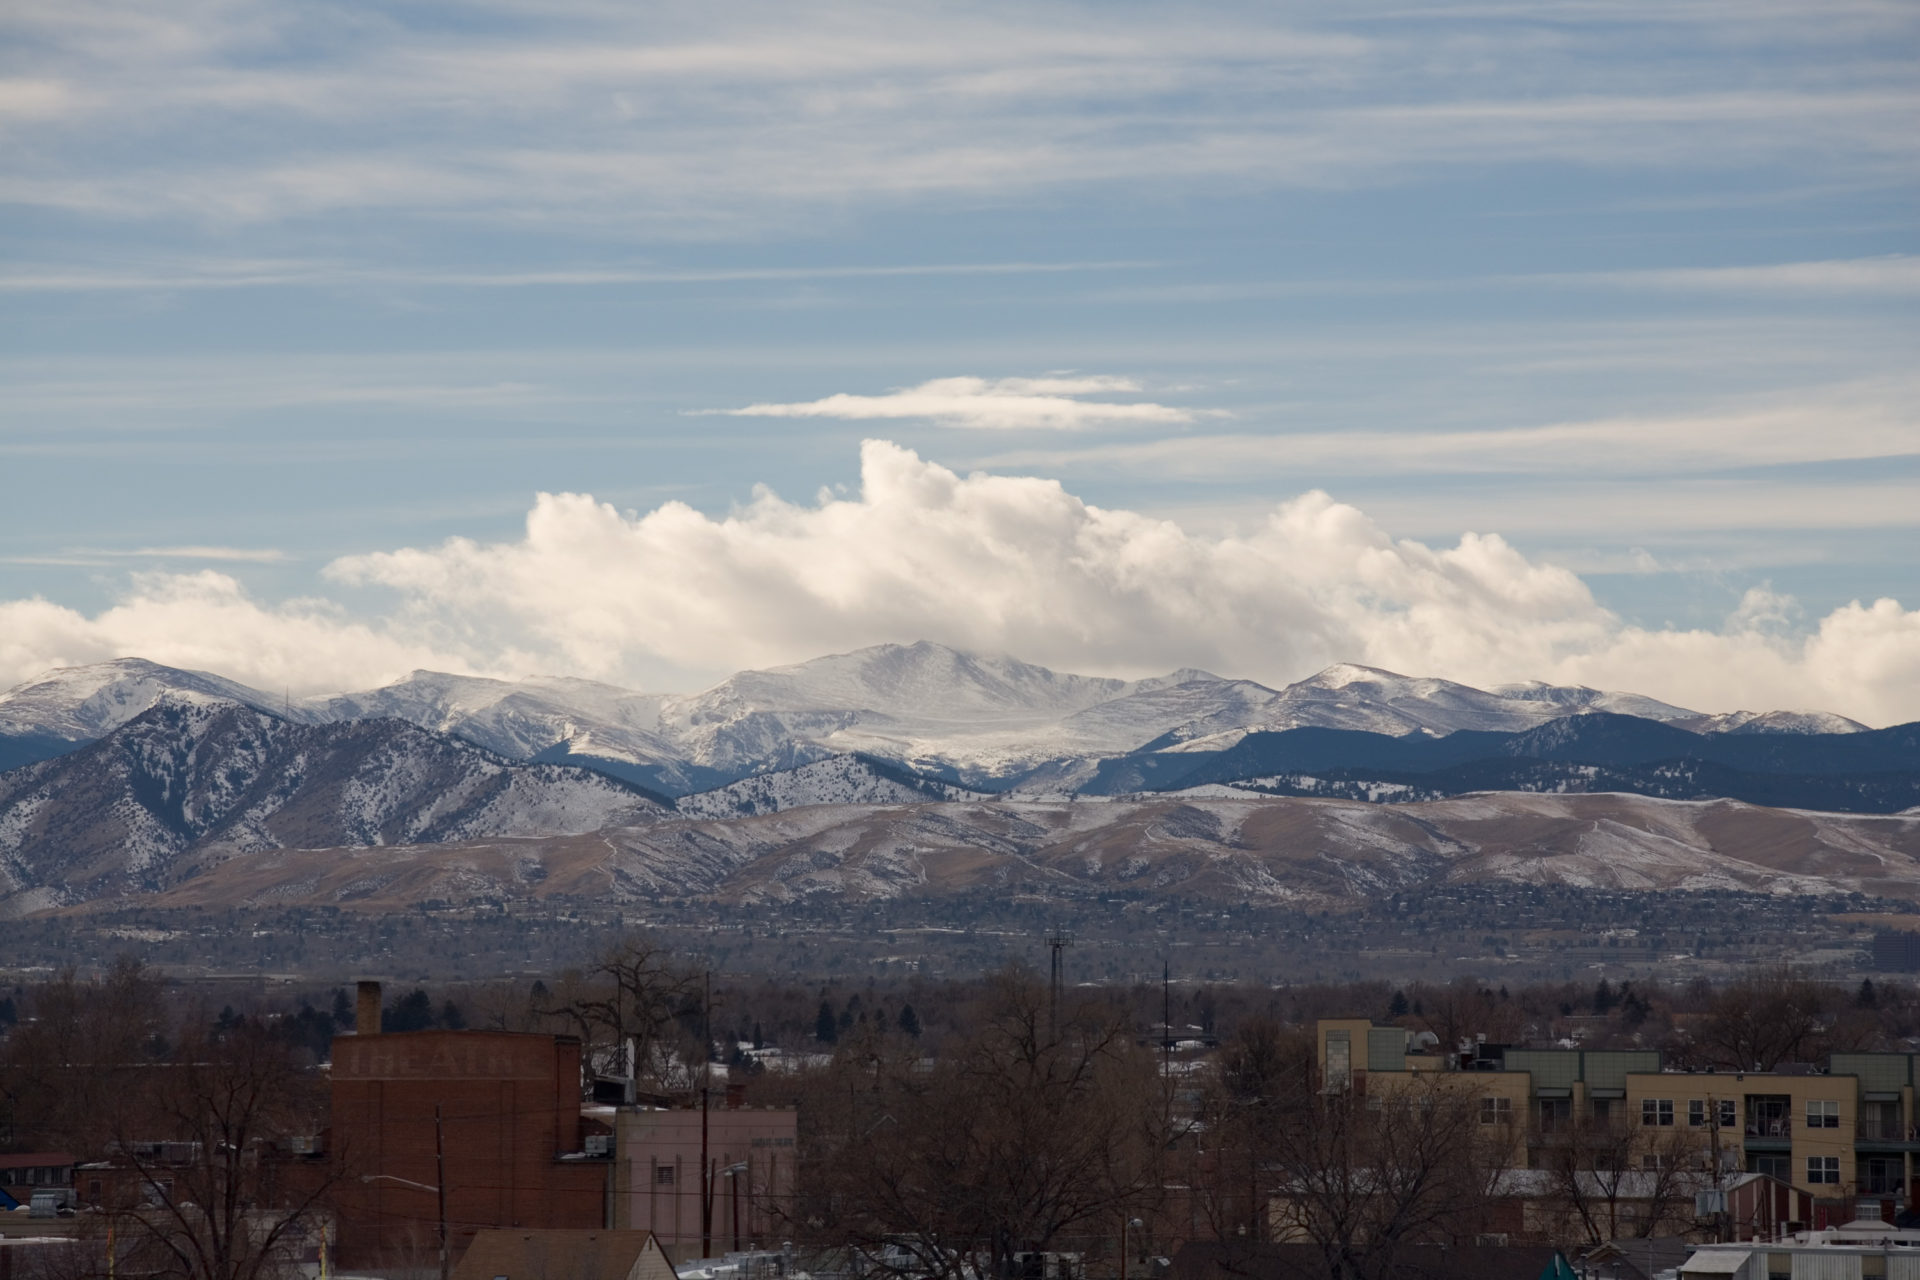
195 778
835 780
931 708
1348 696
548 719
82 703
1773 722
980 721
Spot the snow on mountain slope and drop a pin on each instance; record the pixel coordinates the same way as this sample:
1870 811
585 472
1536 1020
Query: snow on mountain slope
1349 696
837 780
1312 853
1568 699
921 681
196 777
82 703
933 709
545 718
978 720
1773 722
1345 696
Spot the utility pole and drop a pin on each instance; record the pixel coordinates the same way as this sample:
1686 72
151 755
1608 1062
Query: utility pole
706 1091
440 1183
1058 943
1166 1016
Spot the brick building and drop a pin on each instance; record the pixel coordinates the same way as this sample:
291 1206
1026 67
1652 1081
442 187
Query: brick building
496 1114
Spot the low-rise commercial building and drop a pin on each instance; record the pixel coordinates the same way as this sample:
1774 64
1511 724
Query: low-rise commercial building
737 1199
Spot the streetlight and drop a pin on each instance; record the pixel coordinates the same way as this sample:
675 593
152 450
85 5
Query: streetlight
1124 1224
732 1174
439 1192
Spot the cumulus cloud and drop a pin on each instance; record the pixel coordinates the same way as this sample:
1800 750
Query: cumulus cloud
206 622
1009 564
1000 404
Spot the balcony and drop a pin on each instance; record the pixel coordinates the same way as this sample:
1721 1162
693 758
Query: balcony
1769 1134
1885 1132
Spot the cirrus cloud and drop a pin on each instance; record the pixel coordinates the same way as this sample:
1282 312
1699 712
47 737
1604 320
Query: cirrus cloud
1051 403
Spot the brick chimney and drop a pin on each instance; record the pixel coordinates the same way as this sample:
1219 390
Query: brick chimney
366 1014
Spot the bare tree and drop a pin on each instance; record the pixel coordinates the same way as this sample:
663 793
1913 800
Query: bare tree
1762 1020
70 1059
1611 1179
204 1137
634 1000
1363 1177
1017 1140
1265 1071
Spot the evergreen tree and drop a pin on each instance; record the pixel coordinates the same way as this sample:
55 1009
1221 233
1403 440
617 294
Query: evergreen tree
1602 997
413 1012
451 1018
1397 1007
909 1021
342 1009
1867 997
826 1028
759 1041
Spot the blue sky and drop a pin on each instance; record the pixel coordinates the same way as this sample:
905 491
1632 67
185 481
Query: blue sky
293 290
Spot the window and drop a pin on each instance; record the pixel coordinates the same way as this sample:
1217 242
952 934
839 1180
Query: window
1496 1111
1882 1175
1656 1111
1339 1060
1603 1109
1823 1169
1700 1109
663 1175
1556 1114
1822 1115
1780 1167
1654 1163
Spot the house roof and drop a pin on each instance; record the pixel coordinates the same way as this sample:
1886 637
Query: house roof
1645 1256
554 1255
37 1160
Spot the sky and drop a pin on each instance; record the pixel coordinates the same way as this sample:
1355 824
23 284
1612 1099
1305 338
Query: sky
1566 341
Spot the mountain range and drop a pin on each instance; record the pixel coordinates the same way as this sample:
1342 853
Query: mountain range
979 721
131 777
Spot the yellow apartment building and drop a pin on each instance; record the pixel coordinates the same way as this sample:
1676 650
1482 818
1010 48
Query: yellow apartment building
1846 1131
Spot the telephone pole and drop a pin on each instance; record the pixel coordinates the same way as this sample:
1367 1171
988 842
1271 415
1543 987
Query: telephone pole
1058 944
706 1091
440 1183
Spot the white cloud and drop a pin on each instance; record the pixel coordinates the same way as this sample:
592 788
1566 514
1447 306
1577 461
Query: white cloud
1892 275
244 274
1872 420
707 120
250 555
1003 403
999 563
205 621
